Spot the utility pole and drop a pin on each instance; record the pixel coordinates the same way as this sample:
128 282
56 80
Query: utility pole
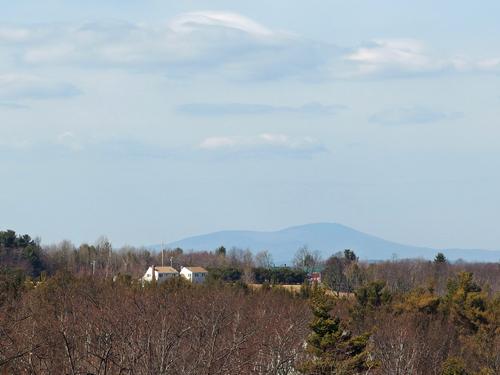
162 251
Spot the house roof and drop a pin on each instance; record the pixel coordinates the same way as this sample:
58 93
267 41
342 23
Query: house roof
165 270
197 269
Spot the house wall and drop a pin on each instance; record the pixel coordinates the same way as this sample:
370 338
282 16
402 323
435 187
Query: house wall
199 277
194 277
159 277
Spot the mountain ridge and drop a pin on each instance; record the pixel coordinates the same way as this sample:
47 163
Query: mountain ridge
327 238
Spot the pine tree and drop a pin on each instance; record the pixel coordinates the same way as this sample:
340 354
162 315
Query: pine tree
440 258
334 349
467 303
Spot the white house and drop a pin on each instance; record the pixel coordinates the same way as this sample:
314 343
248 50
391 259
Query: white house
194 274
161 274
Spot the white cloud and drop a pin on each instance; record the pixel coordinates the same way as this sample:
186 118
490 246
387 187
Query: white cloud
223 43
393 57
408 57
214 143
192 43
18 87
14 34
492 64
190 22
266 143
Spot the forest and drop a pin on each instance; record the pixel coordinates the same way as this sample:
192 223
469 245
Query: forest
67 309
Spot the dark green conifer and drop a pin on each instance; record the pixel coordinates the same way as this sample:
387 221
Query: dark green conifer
333 349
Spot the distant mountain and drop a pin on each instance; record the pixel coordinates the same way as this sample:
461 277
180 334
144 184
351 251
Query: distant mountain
328 238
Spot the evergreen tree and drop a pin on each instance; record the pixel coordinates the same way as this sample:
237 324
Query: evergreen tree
467 303
369 298
333 348
350 256
221 251
440 258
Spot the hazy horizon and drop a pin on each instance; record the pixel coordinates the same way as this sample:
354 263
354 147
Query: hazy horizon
148 122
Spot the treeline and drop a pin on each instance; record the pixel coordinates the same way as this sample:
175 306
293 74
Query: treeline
342 272
259 275
21 253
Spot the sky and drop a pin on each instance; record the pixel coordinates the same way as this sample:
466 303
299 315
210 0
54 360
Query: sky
149 121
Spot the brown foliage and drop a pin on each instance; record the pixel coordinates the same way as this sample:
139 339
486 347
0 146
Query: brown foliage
76 326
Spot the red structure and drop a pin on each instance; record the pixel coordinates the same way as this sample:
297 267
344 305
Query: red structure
315 277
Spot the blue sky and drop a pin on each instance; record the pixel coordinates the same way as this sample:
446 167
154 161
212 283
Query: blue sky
147 121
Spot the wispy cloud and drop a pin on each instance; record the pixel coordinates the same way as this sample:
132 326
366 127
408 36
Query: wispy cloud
15 87
191 43
15 34
411 116
227 45
397 57
222 109
12 105
70 144
189 22
263 144
492 64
